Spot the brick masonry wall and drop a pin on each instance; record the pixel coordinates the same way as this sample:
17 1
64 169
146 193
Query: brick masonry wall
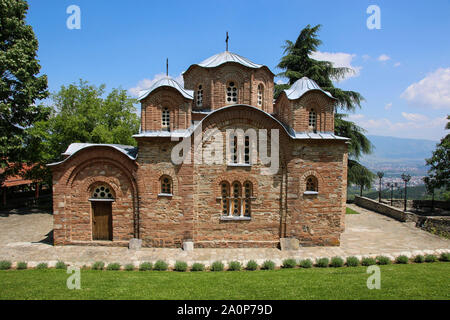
73 184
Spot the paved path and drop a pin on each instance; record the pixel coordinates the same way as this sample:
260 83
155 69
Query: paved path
24 237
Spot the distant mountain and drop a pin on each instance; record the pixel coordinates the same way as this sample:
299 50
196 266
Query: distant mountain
401 148
396 155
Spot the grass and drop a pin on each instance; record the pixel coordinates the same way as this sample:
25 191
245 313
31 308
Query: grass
350 211
405 281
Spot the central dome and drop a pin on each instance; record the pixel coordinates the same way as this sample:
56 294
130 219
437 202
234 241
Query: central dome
225 57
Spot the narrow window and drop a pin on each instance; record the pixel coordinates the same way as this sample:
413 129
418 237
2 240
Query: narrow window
311 184
260 95
233 148
247 150
166 119
232 93
166 185
236 204
312 119
200 96
248 193
225 192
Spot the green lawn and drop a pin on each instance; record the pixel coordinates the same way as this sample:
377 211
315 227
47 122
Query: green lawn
350 211
412 281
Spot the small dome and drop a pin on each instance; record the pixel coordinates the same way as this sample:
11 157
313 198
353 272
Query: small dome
301 86
167 82
225 57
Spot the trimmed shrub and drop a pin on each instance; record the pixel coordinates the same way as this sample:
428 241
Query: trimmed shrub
352 261
42 265
160 266
198 267
337 262
98 265
367 261
5 265
21 265
60 265
445 256
113 266
430 258
401 259
419 259
129 267
289 263
306 263
180 266
145 266
268 265
383 260
234 266
251 265
322 262
217 266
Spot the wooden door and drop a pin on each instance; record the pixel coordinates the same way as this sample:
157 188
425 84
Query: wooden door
102 220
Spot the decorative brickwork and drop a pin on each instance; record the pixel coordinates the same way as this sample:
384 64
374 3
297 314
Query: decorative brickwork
166 204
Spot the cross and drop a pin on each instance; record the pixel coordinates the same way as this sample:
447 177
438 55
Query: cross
226 40
167 67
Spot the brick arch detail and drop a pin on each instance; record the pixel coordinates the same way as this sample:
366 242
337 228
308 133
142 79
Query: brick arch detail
156 185
313 173
231 177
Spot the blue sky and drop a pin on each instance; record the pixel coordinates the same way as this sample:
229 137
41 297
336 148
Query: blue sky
402 69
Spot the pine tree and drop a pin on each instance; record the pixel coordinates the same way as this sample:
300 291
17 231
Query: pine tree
296 64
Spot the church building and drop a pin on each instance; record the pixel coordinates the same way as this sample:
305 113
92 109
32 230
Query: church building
221 195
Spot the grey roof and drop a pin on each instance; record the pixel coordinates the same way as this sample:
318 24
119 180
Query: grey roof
167 82
129 151
302 86
291 132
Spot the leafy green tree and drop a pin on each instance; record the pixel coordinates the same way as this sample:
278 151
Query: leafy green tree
439 163
81 113
360 175
297 63
20 85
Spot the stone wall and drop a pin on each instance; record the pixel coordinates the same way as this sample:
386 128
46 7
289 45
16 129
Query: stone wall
435 225
387 210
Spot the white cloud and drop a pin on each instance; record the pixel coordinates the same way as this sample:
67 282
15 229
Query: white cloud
384 57
354 117
433 91
416 126
147 83
414 117
397 64
339 59
388 106
365 57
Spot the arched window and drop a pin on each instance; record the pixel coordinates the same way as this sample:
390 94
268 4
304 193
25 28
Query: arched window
165 119
102 192
312 119
236 199
234 148
232 93
225 194
248 193
166 185
311 184
260 95
199 96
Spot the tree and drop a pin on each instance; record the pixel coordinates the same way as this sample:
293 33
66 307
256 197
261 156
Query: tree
81 114
360 175
439 163
297 63
20 85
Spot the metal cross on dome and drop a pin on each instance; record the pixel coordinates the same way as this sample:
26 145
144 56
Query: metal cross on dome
226 40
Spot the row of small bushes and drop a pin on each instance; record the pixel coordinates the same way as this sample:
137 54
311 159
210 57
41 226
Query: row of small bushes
182 266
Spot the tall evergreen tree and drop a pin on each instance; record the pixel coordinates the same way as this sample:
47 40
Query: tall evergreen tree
297 63
20 85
